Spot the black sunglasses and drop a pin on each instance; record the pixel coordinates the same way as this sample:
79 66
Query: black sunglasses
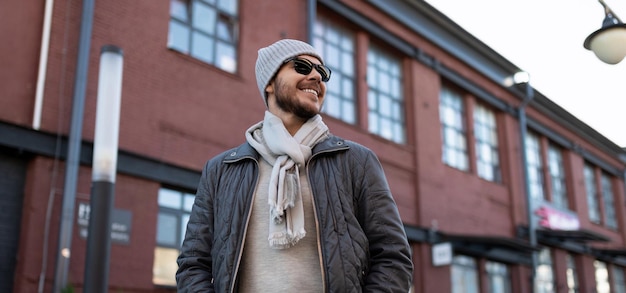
305 67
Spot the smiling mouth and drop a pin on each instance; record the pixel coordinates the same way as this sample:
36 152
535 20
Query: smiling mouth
312 91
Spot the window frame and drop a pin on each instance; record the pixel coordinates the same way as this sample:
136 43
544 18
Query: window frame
491 142
181 216
454 137
329 38
557 177
385 75
467 267
493 270
225 23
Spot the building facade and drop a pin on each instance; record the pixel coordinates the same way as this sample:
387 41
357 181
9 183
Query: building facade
495 183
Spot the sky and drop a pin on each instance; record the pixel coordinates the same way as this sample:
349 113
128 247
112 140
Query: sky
545 38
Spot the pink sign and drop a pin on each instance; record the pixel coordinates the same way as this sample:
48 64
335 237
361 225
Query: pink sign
557 220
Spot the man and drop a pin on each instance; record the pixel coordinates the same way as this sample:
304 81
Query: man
294 209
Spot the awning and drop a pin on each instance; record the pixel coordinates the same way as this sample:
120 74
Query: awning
616 256
574 235
570 240
497 248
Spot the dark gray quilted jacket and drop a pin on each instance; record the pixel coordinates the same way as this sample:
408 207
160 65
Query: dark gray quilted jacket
363 243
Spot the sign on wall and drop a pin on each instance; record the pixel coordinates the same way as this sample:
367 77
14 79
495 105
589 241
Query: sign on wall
556 219
442 254
120 223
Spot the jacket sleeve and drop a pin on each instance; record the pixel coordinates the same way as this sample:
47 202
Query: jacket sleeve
390 264
195 260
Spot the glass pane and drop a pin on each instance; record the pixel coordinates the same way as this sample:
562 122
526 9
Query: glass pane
183 227
167 229
602 277
226 57
170 198
188 202
164 267
204 18
332 106
225 31
334 84
178 9
373 122
385 106
228 6
347 65
348 89
202 47
331 56
386 130
348 112
178 37
372 101
318 30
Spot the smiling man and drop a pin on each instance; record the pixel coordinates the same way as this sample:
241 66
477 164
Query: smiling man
294 208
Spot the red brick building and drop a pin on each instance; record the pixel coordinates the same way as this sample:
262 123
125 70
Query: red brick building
409 83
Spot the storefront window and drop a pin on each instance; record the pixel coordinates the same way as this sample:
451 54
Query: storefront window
464 275
545 273
602 277
498 275
174 209
572 275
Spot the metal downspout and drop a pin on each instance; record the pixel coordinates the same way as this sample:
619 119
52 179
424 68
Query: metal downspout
43 64
74 144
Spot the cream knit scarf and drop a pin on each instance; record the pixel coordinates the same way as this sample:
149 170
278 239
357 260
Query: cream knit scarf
286 154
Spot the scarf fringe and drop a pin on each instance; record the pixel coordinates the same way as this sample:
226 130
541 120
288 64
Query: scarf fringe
281 240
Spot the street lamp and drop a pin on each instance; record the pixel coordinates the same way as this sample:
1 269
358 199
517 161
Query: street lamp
104 169
609 42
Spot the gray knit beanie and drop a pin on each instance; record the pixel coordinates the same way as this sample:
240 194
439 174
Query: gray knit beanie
271 58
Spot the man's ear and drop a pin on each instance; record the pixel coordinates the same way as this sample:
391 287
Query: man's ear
270 88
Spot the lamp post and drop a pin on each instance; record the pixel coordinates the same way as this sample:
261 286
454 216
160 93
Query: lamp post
104 169
609 42
523 78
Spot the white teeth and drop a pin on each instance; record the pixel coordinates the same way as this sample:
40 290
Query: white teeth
310 91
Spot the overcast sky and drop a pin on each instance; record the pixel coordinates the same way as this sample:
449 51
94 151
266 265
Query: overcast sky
545 38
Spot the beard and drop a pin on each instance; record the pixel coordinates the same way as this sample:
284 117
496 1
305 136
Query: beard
287 101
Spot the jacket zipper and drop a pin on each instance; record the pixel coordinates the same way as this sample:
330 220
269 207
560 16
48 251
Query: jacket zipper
245 232
318 234
317 225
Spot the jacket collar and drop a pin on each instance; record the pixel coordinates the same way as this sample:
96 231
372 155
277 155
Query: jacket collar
245 150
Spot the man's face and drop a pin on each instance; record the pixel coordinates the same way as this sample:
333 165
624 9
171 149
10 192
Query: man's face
302 95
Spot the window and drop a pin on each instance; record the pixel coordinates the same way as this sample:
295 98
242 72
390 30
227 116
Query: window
557 177
453 129
174 210
498 276
545 273
602 277
592 194
338 48
572 275
206 30
618 280
600 194
463 139
384 97
535 167
487 161
608 201
380 106
464 275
